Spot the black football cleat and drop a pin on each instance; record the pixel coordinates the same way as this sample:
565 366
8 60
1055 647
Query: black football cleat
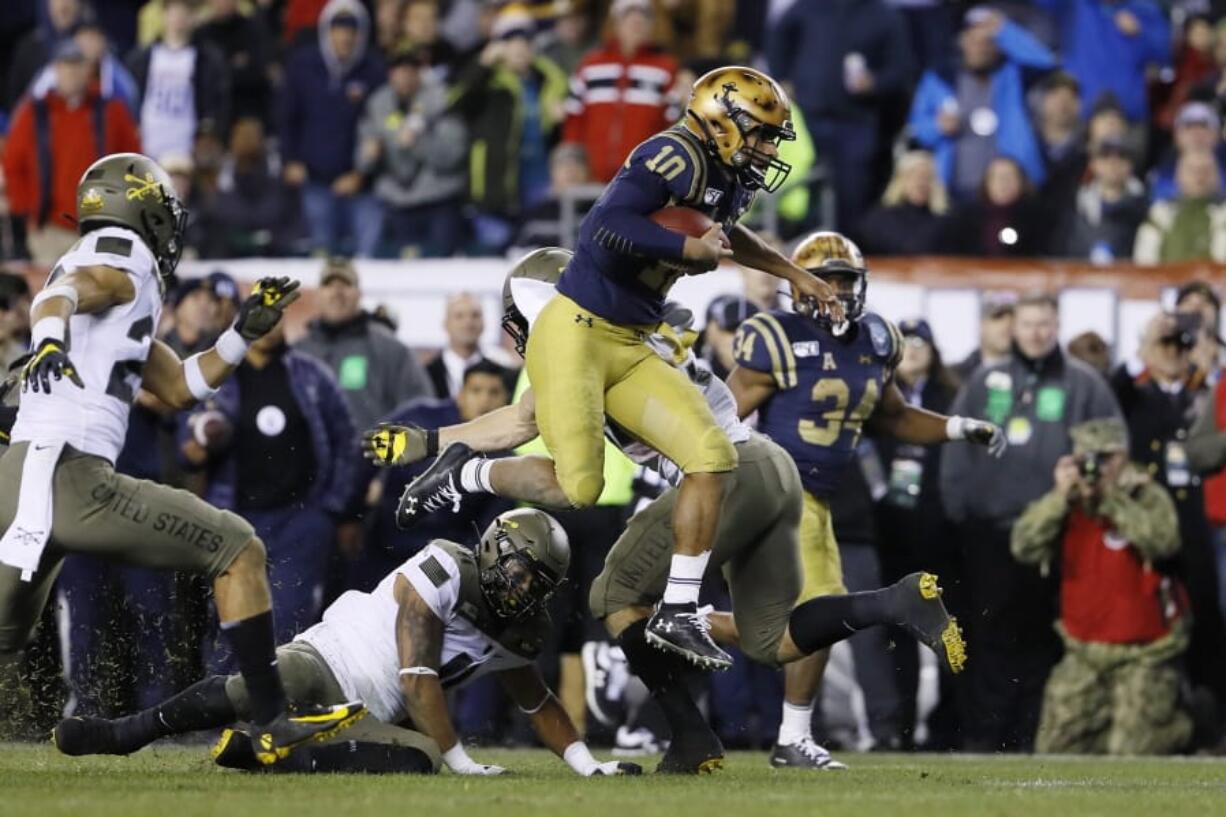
91 736
804 754
436 489
275 741
694 751
683 630
923 614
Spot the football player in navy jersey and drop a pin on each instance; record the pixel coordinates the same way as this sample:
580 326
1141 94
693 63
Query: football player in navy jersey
815 385
587 357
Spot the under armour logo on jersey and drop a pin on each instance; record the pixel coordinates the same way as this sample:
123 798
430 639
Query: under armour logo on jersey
712 196
584 319
866 360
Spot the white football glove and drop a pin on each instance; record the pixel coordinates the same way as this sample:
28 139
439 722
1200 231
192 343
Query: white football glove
460 763
614 768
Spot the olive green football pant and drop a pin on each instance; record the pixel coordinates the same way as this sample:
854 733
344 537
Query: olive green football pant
98 512
755 546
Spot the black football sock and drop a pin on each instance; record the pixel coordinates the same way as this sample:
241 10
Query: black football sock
827 620
664 675
203 705
253 643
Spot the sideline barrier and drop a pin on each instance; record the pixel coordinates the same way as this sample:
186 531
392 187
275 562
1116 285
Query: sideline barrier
1113 300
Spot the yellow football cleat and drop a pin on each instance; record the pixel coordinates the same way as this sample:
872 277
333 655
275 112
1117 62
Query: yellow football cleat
925 617
276 740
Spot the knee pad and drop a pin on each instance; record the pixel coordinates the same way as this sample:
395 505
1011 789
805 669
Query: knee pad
583 490
715 454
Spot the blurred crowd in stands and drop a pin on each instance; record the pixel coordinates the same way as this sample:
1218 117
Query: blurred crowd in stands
1087 129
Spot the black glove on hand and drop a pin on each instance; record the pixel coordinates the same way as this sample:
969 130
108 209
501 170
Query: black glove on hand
50 360
389 445
264 307
989 435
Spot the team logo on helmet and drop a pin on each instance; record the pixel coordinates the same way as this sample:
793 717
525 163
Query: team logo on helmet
91 202
140 188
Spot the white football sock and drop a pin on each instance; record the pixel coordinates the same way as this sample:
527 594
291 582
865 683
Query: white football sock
796 724
475 476
685 578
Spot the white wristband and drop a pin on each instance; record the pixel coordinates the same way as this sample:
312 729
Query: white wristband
418 671
59 291
955 428
196 382
49 328
579 758
457 759
231 347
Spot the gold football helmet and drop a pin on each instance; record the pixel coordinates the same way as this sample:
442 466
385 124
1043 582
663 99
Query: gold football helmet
837 260
731 104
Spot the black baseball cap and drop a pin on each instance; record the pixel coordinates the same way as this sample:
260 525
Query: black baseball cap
916 328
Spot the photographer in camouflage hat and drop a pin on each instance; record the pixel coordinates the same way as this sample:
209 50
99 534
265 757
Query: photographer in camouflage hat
1123 622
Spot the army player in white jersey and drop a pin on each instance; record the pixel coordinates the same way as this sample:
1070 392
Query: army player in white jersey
444 618
755 546
92 349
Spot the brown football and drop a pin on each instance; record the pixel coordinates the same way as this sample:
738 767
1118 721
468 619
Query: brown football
684 220
212 430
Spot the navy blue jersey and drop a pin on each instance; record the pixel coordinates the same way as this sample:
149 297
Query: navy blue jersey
826 386
616 272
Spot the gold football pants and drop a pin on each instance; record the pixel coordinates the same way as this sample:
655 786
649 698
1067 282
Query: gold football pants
821 565
583 368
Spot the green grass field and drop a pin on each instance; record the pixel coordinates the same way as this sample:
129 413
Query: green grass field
176 781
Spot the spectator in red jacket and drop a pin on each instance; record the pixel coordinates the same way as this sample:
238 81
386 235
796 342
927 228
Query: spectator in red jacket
618 97
52 141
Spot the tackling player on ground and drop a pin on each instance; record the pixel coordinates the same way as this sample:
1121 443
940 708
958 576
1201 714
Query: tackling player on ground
444 618
755 543
816 385
586 357
93 347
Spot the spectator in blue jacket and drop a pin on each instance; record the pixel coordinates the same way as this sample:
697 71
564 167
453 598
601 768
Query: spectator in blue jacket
1108 44
1197 128
975 109
484 390
281 450
325 91
843 61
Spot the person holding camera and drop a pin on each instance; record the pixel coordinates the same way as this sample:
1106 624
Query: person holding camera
1160 403
1036 396
1123 622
